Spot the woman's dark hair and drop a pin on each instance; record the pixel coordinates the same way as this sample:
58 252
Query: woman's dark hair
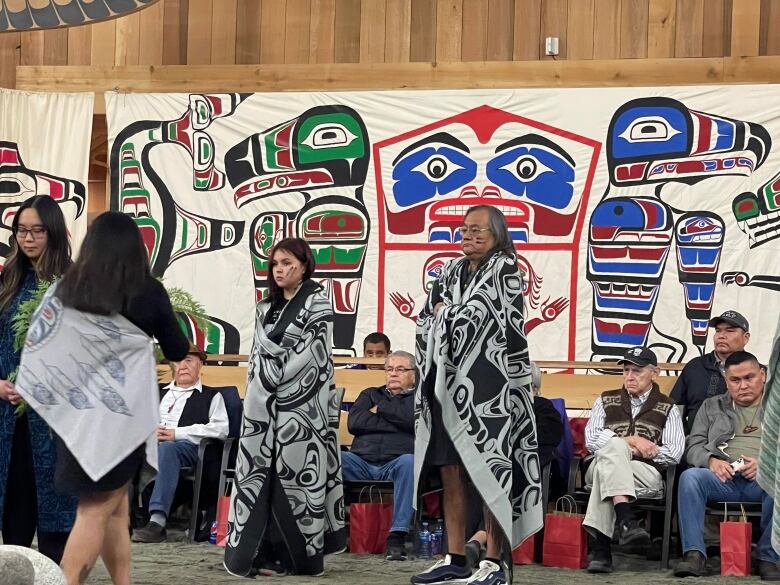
54 260
298 248
497 224
111 269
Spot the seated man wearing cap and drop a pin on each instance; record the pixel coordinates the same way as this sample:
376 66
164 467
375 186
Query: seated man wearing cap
633 433
189 412
722 453
702 377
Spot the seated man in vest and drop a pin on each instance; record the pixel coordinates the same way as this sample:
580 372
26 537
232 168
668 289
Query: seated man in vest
382 422
702 377
634 433
189 412
723 452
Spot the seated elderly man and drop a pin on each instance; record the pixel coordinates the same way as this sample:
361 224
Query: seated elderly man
189 412
723 452
382 422
634 433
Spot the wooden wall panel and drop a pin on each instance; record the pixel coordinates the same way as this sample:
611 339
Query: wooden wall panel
128 38
347 36
32 48
372 31
10 54
745 28
500 41
662 18
689 30
555 17
770 27
223 32
272 31
528 29
199 31
579 32
248 31
175 37
713 42
398 29
634 18
150 45
80 45
55 47
297 24
449 29
474 38
103 42
606 29
422 42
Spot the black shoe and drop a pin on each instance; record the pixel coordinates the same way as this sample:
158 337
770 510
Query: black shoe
768 571
693 564
600 563
152 532
396 551
632 532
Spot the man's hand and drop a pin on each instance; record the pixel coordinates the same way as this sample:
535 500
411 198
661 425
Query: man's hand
640 446
164 434
8 392
750 469
722 469
373 409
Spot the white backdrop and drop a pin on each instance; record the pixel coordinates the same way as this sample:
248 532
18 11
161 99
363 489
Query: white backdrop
44 150
637 212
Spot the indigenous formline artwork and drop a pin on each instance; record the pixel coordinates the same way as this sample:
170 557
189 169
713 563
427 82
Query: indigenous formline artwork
600 187
23 15
58 169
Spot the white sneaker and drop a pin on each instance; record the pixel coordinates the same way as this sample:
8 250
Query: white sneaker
488 573
442 571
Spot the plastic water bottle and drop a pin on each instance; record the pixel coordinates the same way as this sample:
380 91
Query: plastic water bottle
438 537
435 540
424 542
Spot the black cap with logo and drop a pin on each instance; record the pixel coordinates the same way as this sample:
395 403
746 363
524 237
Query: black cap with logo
639 356
732 318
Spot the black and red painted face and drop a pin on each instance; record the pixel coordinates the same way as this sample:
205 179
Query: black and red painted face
430 177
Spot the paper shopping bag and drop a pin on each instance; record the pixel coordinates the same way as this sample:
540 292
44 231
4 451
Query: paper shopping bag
565 544
524 553
223 510
735 541
369 525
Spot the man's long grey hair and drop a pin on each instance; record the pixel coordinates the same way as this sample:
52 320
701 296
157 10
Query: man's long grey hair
498 226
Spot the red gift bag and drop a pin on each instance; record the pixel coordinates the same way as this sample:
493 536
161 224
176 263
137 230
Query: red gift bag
524 553
735 545
577 425
565 544
369 524
223 511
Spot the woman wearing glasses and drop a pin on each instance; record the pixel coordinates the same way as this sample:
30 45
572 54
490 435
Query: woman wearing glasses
476 417
39 252
287 505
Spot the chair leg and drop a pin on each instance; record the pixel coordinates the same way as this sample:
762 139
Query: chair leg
667 536
195 513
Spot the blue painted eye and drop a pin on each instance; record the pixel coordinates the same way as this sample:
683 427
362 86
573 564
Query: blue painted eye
536 173
431 171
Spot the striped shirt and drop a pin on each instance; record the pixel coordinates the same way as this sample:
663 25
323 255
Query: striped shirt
672 444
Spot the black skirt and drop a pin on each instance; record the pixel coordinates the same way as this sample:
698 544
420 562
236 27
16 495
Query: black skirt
441 451
70 477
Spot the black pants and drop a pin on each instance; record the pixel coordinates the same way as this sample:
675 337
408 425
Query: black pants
20 512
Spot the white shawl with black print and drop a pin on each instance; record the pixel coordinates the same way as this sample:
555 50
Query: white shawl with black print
473 357
288 468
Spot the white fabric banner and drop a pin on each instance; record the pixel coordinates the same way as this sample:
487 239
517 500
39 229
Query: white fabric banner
638 213
44 150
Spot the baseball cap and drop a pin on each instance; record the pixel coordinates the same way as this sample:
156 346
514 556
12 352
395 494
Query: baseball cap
732 318
639 356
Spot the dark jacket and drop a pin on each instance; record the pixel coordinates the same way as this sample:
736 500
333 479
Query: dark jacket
389 433
549 429
699 380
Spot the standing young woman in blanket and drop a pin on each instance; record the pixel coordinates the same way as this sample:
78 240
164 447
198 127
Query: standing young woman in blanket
39 252
287 506
111 276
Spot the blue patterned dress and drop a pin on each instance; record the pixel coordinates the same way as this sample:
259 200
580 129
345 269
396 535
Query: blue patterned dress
56 513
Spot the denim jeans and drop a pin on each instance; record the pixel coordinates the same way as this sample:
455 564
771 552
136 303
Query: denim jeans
400 471
172 456
698 486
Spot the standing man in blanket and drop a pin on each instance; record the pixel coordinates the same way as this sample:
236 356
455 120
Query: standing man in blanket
474 416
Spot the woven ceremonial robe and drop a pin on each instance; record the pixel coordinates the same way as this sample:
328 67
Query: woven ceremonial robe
288 469
92 379
768 476
474 358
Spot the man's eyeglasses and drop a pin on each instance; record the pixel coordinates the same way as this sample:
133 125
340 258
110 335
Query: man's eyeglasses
474 231
399 369
37 232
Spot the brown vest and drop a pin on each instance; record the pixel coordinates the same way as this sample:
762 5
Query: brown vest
650 420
